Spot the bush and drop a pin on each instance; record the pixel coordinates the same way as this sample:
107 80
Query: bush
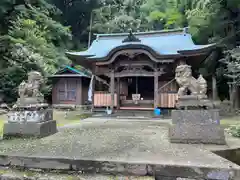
234 130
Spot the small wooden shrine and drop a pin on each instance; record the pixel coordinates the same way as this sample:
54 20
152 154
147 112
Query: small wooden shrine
138 68
70 87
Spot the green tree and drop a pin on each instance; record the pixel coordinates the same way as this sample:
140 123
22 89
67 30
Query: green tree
214 21
30 40
77 13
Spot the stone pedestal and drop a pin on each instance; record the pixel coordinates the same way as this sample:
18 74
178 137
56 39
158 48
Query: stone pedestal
194 124
193 102
30 120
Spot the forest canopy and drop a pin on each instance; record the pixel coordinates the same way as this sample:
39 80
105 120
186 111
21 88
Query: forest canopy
34 34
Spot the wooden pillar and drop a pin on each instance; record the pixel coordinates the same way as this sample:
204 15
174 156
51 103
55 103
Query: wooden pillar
112 88
156 98
118 93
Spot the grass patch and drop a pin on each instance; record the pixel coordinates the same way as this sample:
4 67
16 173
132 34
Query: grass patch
66 122
231 122
1 127
72 117
232 125
234 130
227 122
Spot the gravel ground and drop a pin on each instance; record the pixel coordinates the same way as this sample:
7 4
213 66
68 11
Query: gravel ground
115 140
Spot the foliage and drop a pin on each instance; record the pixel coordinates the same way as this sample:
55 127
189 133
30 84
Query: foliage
234 130
32 40
32 35
76 13
232 65
140 15
214 21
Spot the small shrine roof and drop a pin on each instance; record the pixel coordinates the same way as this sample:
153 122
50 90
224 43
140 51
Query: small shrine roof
73 72
162 43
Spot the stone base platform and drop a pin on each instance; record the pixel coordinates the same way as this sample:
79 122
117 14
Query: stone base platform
197 134
29 129
196 126
114 147
193 102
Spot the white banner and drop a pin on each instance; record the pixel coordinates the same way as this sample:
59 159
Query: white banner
90 89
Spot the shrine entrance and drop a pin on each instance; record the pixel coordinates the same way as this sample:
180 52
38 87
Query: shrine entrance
141 85
140 93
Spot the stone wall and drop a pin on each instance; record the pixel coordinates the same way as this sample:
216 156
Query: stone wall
37 174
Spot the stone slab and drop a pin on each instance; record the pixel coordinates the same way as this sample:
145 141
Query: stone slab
31 106
113 147
197 133
41 129
193 101
124 168
30 115
26 101
200 116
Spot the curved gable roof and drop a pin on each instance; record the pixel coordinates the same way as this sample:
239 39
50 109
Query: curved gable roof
172 42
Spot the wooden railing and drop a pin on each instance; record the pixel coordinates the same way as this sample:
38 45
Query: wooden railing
103 99
167 100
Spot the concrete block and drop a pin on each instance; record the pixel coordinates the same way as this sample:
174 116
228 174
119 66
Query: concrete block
197 133
200 116
41 129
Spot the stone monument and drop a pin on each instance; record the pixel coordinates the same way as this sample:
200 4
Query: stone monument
30 116
196 119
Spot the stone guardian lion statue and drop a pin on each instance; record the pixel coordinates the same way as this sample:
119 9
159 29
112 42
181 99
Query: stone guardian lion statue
31 89
184 78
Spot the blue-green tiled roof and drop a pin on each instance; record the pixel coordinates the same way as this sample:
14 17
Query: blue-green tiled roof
75 71
162 43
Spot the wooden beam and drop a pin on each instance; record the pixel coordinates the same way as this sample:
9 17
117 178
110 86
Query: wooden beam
156 98
135 63
118 93
112 89
132 74
102 81
166 85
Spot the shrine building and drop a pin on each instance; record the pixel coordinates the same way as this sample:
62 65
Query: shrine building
70 87
136 70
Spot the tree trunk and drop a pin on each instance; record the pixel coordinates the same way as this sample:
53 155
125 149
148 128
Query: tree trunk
214 88
236 98
231 96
